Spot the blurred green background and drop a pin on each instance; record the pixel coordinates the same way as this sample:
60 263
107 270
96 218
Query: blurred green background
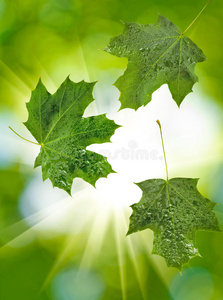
52 39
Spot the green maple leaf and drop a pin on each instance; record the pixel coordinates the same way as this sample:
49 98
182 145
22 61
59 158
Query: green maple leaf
174 210
56 122
157 54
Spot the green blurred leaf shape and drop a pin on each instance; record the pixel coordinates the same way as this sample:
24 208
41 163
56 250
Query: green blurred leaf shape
174 210
56 122
11 186
157 54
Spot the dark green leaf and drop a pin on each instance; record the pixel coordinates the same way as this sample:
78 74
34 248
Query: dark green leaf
57 124
157 54
174 210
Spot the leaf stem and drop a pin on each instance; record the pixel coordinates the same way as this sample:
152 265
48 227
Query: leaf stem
161 134
196 17
23 137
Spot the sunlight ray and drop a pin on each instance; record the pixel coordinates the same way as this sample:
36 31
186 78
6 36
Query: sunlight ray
65 253
17 229
138 269
160 269
70 241
68 247
119 248
14 231
95 240
83 58
45 74
14 76
92 248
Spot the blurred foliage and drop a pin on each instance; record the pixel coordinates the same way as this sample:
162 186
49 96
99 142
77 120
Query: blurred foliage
12 183
23 271
54 38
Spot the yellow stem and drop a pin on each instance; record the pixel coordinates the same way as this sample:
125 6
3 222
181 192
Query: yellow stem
23 137
196 18
158 122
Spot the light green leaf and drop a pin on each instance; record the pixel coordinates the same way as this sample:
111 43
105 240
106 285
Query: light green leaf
157 54
57 124
174 210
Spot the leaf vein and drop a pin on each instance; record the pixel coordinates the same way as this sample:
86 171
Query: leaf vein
63 115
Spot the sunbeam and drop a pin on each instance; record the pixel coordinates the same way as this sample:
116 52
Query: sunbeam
12 233
120 249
